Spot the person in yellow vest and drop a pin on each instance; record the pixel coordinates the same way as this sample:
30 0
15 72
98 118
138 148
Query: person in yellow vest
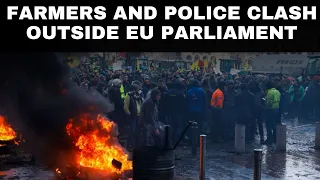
125 86
123 94
132 106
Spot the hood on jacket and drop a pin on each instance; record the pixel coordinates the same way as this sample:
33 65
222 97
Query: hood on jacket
147 78
154 93
194 83
205 82
136 82
116 82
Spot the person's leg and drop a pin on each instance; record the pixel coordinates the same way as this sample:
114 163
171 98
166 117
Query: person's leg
178 127
274 125
317 113
228 124
132 138
150 141
207 122
269 126
213 128
259 118
233 123
278 118
139 134
191 117
220 126
173 122
253 125
249 128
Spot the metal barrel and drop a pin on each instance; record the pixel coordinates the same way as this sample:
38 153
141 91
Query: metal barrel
153 163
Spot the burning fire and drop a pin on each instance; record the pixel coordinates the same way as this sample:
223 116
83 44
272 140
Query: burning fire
97 145
6 132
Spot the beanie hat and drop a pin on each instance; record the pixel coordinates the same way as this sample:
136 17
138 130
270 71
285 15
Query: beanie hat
116 82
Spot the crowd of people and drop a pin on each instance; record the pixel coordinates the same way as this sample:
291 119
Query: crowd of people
145 101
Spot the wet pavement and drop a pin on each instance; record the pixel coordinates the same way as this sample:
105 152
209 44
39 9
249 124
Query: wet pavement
300 162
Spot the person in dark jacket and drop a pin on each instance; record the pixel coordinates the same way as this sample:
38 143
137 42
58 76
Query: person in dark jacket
313 95
125 83
205 84
197 103
259 107
245 107
114 95
279 87
140 89
229 110
149 118
174 104
206 87
152 86
147 86
101 88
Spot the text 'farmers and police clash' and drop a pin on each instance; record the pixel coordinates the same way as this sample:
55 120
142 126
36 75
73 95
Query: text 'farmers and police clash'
150 12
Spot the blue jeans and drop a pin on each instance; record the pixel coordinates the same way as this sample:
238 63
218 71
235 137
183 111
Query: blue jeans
271 118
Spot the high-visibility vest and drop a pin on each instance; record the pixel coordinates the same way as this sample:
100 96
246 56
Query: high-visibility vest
122 92
217 99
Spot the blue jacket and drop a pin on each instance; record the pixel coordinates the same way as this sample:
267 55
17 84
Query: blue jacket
196 100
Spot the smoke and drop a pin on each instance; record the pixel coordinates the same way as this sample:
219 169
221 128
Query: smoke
39 99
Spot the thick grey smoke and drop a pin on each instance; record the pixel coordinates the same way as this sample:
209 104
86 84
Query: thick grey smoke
39 99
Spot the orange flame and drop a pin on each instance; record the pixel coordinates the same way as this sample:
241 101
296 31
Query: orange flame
58 171
6 132
97 144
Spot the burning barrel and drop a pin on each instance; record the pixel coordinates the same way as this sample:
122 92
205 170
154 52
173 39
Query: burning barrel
153 163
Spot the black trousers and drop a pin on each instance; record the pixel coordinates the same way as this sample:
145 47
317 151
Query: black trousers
258 115
271 115
217 125
177 125
247 119
199 118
